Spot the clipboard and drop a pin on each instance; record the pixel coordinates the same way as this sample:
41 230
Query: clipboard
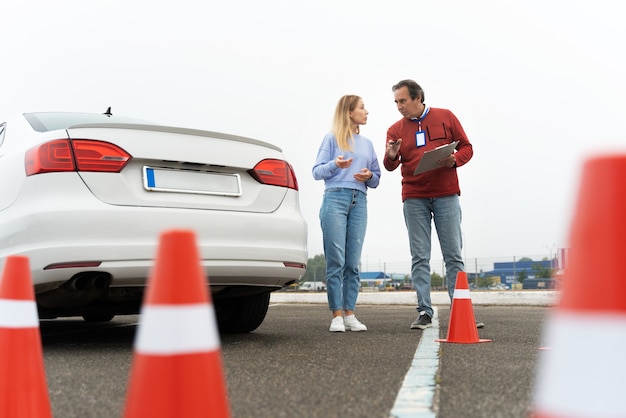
429 159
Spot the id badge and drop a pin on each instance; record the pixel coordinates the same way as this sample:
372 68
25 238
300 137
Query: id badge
420 139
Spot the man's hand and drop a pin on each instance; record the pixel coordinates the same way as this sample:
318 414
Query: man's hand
392 148
448 161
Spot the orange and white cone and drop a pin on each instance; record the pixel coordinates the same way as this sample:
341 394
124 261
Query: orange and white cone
583 374
462 324
177 365
23 388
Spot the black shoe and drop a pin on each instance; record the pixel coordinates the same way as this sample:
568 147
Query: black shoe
423 321
480 324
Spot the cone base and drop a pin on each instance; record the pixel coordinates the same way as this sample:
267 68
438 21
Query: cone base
464 342
184 385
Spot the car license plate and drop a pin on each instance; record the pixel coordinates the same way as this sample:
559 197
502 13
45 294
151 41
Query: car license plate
189 181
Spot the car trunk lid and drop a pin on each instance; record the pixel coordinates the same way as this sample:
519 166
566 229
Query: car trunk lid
183 168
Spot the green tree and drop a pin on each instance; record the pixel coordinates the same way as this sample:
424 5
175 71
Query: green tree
486 281
436 280
315 269
523 275
542 271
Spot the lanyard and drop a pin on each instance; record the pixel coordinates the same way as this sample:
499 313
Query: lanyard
421 118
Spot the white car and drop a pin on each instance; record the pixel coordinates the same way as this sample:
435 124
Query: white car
86 196
312 287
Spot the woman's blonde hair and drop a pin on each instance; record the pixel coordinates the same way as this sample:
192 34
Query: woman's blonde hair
342 125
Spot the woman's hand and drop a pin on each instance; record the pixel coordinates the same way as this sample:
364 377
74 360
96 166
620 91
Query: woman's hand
364 175
342 162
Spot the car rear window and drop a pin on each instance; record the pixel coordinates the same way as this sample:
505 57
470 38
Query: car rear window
52 121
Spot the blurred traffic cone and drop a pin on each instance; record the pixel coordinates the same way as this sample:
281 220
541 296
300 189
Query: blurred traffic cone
23 388
462 324
177 365
583 374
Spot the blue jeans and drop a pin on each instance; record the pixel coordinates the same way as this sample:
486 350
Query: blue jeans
343 218
418 216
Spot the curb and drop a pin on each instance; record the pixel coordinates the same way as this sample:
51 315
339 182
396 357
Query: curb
525 298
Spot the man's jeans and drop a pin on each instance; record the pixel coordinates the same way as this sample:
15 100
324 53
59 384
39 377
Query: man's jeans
343 217
418 216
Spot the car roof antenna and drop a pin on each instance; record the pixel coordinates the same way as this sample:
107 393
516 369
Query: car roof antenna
108 112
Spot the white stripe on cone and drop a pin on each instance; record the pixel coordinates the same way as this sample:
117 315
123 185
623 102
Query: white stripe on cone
583 372
18 314
461 294
177 329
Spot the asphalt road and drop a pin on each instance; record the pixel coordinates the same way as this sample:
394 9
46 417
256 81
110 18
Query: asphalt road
292 366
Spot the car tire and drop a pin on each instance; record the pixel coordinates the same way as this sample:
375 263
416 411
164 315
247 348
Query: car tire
243 314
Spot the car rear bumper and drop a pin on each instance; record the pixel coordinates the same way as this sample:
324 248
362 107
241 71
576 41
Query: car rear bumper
235 248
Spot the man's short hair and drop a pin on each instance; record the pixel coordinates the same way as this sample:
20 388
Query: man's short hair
415 90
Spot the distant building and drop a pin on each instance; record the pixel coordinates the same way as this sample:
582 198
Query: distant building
374 278
509 271
542 284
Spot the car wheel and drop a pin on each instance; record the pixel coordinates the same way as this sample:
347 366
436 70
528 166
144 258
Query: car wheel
98 317
243 314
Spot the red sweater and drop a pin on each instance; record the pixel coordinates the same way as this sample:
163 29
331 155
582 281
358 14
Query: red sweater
441 127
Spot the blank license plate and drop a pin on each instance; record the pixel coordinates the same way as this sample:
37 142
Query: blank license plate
188 181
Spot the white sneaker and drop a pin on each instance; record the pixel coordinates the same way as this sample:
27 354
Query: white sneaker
353 324
336 325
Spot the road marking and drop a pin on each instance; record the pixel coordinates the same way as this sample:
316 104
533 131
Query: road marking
415 398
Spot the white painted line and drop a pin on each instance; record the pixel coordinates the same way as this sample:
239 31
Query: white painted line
416 396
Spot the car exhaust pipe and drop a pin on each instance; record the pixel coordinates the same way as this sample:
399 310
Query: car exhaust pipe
84 281
80 290
77 283
101 281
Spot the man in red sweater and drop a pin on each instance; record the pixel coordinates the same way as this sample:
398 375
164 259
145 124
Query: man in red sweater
432 195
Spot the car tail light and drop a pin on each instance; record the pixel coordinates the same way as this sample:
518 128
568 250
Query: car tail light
275 173
294 265
77 155
75 264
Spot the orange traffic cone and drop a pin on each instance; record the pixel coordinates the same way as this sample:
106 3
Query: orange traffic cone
462 324
583 374
23 388
177 365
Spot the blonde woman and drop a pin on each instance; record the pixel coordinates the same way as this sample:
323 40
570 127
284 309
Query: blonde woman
347 163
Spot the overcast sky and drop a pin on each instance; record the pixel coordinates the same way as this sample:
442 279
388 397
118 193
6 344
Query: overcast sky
538 86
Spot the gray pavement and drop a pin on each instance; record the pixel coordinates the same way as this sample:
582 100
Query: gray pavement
291 366
492 379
